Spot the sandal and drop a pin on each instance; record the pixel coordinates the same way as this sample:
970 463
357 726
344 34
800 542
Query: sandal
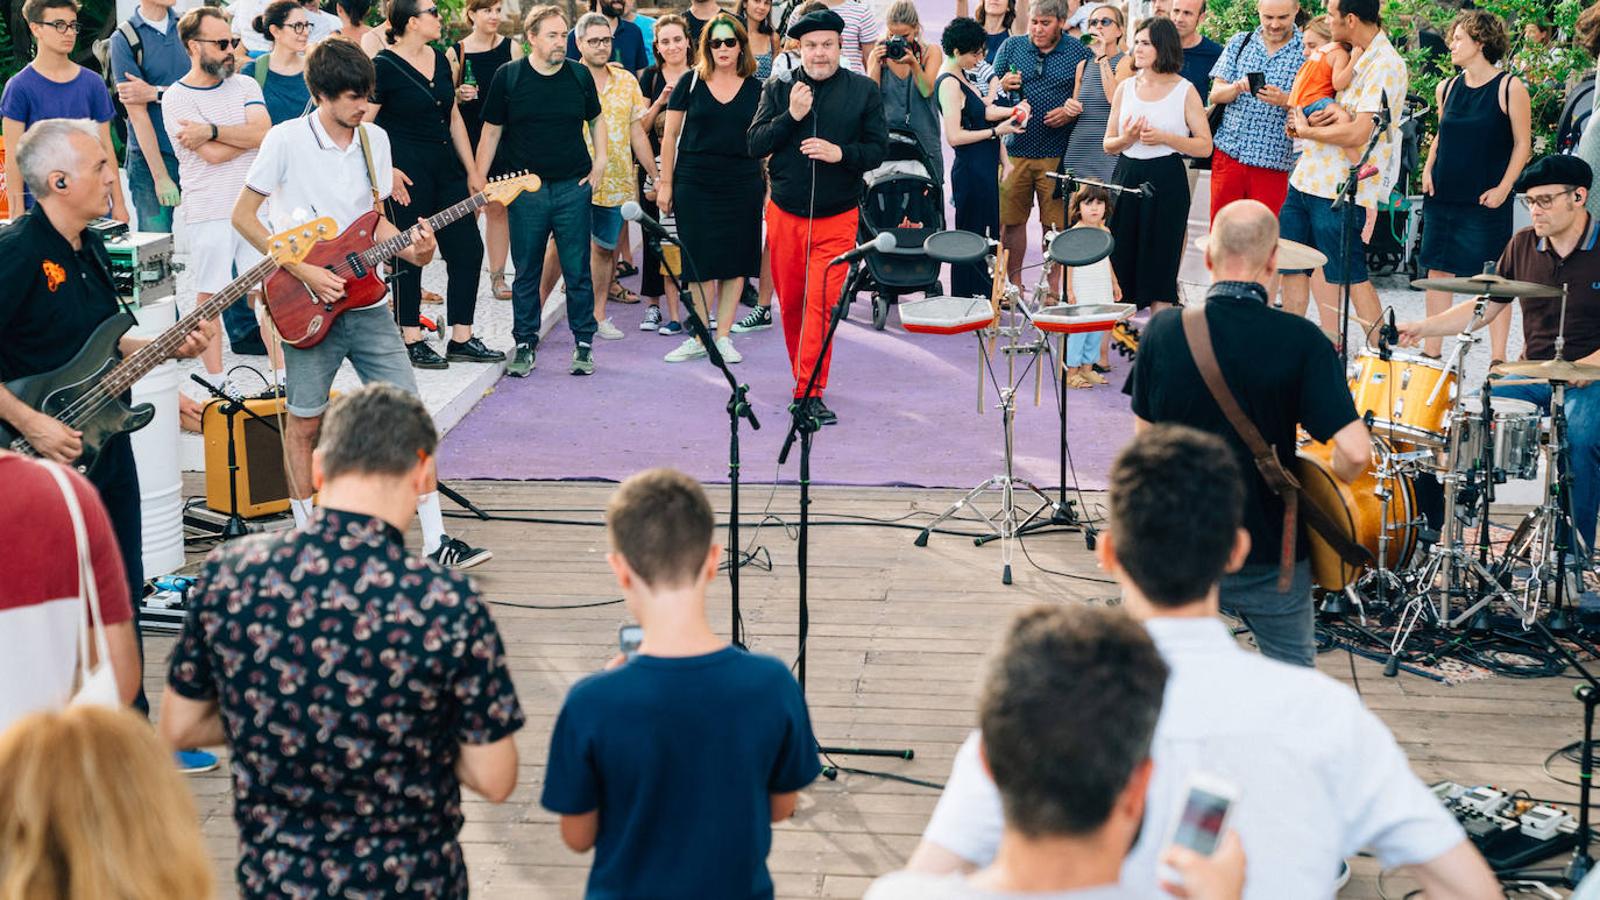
431 298
498 287
1075 379
620 294
626 269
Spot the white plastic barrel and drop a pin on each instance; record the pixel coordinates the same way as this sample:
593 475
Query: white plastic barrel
155 449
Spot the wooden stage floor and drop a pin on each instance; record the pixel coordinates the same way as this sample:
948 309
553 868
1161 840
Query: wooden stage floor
898 638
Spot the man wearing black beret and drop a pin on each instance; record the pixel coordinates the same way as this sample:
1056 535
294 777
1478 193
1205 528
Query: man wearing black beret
823 129
1561 248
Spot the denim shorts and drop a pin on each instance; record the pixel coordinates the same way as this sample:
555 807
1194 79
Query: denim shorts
369 338
1313 221
605 225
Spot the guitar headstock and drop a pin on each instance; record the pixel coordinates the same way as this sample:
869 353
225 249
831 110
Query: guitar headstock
294 245
505 189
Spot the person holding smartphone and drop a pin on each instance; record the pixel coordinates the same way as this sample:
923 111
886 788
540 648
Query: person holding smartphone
1252 79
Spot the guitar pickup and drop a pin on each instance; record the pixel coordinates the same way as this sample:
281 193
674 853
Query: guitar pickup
359 270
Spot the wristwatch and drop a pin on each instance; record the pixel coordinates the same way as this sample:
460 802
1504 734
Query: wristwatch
159 92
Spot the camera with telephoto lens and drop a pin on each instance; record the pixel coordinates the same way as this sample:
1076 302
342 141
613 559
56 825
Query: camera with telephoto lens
895 47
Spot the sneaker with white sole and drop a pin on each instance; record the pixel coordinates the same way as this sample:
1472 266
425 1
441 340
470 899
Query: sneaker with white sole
608 330
729 355
689 349
195 762
758 319
652 319
669 329
454 553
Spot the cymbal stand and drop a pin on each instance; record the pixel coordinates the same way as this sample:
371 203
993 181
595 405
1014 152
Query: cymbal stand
1006 523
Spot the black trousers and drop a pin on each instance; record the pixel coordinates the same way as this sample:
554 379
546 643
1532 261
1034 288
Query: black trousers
437 181
116 477
651 282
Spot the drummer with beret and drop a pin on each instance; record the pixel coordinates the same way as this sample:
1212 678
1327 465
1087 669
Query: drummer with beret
1558 249
823 128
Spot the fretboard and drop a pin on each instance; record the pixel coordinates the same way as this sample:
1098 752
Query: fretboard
387 250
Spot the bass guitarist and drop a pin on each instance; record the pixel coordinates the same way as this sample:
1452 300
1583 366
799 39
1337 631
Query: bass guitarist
57 291
1297 385
328 163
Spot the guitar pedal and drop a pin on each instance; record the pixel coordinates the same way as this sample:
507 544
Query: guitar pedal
1542 822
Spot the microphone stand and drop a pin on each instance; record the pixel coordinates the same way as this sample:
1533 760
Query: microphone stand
738 407
1346 204
803 424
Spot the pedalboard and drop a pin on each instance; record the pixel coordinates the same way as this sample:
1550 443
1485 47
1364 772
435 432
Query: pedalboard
1511 832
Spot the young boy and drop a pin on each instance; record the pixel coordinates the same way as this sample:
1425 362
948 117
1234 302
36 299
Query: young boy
674 764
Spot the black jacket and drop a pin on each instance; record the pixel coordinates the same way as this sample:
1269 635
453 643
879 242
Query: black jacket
846 110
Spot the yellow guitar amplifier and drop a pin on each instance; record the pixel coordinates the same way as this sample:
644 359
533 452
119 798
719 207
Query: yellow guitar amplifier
263 486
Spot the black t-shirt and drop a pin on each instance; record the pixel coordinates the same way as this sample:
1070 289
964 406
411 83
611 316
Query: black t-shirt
714 133
415 110
543 117
54 296
1282 370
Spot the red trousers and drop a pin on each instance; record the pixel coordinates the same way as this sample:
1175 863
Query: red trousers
1233 180
805 309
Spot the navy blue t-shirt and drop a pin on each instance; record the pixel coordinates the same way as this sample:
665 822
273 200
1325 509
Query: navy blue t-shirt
681 756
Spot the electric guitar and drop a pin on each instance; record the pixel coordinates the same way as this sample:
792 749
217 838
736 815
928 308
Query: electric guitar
86 393
303 320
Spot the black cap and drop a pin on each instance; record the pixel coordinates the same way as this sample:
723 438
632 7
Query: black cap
1556 169
821 20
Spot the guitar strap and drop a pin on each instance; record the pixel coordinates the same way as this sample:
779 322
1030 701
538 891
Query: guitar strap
372 173
1279 480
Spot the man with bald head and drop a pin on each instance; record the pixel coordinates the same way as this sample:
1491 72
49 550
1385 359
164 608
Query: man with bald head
1253 153
1297 385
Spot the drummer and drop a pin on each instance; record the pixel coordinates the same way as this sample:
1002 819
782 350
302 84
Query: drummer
1298 385
1560 248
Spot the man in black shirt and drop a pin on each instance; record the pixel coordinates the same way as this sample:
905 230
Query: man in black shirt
540 109
58 290
823 129
1296 385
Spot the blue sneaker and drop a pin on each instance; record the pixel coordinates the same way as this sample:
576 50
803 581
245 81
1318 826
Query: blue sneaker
670 328
193 762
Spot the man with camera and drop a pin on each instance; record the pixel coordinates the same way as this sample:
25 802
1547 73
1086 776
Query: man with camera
1252 80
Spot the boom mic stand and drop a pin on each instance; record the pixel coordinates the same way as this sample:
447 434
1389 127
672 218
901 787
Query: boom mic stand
803 425
231 407
1345 203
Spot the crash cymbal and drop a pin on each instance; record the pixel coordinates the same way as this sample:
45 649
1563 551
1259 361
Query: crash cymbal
1550 370
1292 255
1490 285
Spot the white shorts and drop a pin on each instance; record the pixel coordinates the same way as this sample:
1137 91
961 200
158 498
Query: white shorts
216 251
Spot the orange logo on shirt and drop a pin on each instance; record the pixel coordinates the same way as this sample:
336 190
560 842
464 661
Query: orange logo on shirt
54 275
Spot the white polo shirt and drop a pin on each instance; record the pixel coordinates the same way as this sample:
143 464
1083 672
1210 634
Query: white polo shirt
1320 776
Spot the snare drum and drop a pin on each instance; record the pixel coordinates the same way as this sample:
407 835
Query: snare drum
1398 393
1514 437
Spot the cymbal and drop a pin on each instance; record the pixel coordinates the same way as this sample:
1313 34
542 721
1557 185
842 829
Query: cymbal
1292 255
1488 285
1550 370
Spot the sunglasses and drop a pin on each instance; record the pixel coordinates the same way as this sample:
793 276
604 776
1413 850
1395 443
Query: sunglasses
62 26
724 43
223 44
1102 23
430 11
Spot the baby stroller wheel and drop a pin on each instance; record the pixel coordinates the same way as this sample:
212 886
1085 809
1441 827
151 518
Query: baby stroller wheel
880 310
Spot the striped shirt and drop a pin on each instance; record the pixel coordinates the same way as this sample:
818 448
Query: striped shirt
860 27
210 189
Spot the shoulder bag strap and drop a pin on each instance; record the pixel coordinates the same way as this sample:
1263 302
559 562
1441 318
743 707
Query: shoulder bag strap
372 172
90 617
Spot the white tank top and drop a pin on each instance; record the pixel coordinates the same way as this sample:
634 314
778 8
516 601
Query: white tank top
1165 114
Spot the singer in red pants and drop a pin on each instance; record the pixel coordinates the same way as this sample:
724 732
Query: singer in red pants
823 129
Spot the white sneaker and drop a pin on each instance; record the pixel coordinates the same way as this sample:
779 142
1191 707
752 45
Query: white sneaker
689 349
729 355
608 330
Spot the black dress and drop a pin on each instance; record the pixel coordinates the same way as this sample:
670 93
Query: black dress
484 64
974 187
717 188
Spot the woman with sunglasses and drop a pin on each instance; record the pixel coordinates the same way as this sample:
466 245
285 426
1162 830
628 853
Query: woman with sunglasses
414 100
709 180
282 73
481 54
1097 82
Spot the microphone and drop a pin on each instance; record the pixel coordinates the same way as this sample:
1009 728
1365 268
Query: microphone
883 243
1389 331
633 212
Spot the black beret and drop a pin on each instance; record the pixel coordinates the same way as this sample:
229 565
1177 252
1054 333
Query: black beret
1556 169
821 20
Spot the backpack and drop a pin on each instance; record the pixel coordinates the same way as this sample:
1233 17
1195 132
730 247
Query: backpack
102 55
1575 115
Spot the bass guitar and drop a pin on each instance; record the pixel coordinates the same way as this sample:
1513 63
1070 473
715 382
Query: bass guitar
86 393
303 320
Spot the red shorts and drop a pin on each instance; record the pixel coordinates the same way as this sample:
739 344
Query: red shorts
1233 180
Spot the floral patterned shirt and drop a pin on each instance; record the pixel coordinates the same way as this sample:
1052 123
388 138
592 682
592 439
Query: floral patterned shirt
621 104
1380 73
348 674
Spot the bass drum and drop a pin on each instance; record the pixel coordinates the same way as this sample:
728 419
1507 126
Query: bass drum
1357 509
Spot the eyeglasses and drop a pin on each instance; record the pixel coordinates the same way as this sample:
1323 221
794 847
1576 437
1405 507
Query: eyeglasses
724 43
598 42
430 11
1102 23
62 26
298 27
1545 201
223 44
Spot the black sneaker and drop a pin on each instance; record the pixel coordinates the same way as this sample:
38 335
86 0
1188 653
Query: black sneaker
471 350
458 554
423 356
758 319
824 415
583 360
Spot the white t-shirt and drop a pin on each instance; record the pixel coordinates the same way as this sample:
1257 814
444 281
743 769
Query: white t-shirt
919 886
860 27
1320 776
244 14
210 189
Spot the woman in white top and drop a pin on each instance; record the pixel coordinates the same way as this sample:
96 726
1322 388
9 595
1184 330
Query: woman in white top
1156 120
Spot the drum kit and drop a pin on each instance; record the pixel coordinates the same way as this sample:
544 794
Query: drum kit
1027 325
1439 566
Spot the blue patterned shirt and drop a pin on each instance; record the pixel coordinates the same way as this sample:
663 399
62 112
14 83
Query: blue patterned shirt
1252 131
1047 80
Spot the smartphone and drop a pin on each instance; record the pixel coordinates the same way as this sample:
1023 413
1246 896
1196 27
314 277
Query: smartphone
1208 802
1256 80
628 639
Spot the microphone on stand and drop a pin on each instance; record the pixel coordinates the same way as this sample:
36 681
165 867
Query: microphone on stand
883 243
1388 335
633 212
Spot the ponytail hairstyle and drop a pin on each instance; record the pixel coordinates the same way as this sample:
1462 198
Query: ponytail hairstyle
275 15
401 12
